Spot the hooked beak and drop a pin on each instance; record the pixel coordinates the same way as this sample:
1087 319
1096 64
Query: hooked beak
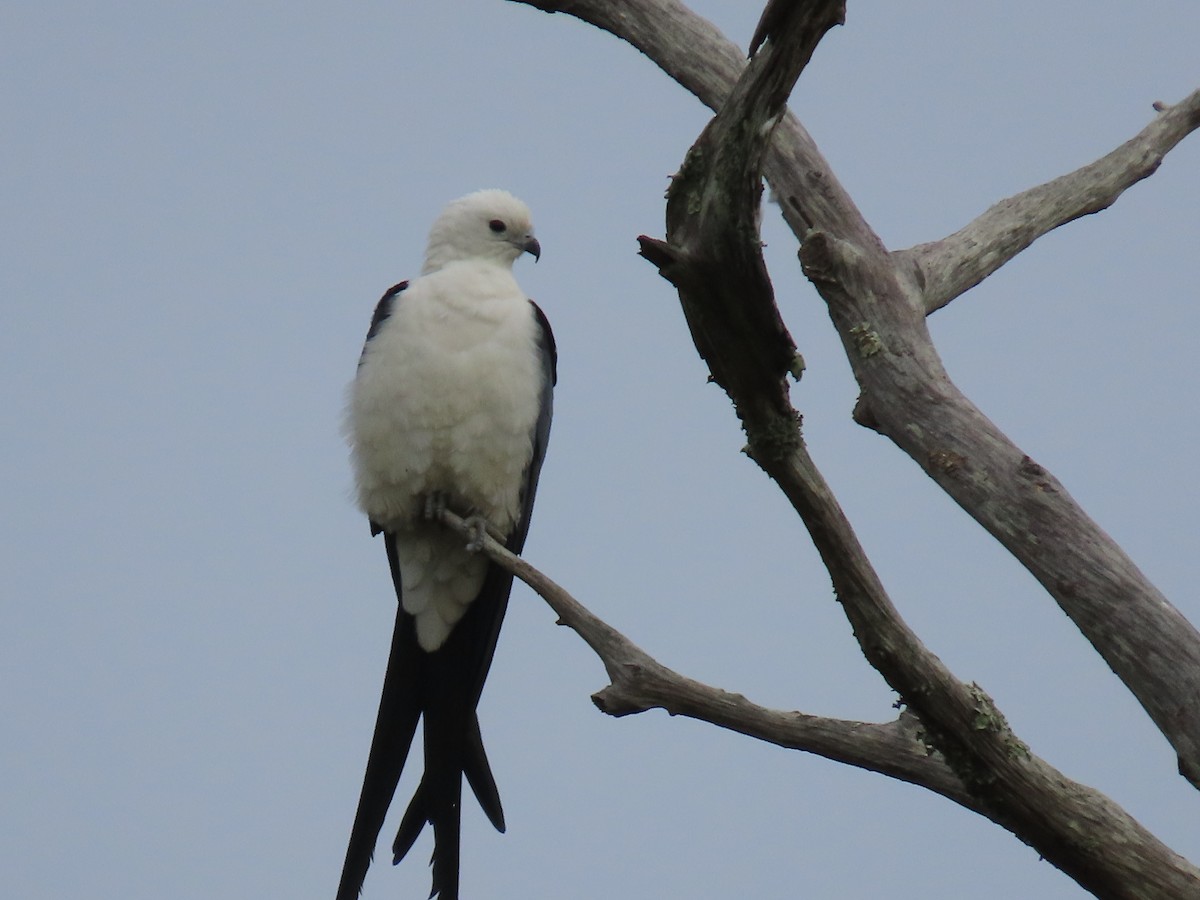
531 245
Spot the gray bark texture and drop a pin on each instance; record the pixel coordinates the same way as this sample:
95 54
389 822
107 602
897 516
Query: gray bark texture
951 738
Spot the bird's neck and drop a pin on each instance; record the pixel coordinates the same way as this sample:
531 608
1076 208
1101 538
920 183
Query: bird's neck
438 258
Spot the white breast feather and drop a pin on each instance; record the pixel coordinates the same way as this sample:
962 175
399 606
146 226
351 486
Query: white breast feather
446 399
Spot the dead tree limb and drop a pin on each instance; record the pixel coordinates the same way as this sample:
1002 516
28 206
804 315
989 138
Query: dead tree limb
957 263
878 302
639 683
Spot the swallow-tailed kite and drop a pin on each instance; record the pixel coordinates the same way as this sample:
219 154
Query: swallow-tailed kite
450 409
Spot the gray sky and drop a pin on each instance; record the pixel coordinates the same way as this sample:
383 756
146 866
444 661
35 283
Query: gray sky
201 205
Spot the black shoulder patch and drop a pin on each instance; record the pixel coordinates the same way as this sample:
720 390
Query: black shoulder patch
548 341
383 309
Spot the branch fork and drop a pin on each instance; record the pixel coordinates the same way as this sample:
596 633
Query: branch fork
878 301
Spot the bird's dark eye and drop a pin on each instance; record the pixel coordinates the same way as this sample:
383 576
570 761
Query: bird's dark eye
496 225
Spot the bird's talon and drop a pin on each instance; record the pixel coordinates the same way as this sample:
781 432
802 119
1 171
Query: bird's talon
479 529
435 505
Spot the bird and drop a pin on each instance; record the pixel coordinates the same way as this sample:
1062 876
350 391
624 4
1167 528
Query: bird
450 409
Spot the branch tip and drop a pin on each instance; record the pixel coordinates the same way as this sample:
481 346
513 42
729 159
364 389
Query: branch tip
658 253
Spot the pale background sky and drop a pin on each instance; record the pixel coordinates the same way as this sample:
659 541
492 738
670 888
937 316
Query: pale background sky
200 206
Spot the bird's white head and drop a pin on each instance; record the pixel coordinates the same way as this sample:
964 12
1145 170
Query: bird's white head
488 225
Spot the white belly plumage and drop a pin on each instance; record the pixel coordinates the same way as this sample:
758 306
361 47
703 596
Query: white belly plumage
446 400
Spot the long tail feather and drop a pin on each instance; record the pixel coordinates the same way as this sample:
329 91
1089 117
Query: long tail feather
445 741
395 727
479 776
443 688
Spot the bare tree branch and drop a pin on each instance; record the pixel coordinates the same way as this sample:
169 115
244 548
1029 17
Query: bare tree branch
718 191
639 683
713 256
907 395
898 749
693 52
879 309
957 263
